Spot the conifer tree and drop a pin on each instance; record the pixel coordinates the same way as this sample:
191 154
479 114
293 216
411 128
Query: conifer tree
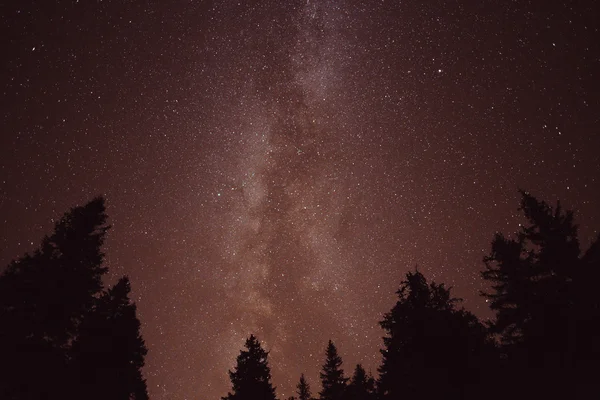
43 298
532 276
303 389
429 340
251 378
361 386
544 296
109 351
332 375
588 307
48 293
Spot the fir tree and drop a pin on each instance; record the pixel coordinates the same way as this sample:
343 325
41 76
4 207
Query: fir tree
332 375
427 340
532 276
303 389
543 294
47 293
43 298
361 386
588 307
251 379
587 316
109 351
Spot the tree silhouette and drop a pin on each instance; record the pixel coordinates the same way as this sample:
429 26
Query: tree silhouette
429 340
532 274
109 352
332 375
251 379
43 298
303 389
543 293
587 316
361 386
47 293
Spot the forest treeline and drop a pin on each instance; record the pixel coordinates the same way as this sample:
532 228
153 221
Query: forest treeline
65 336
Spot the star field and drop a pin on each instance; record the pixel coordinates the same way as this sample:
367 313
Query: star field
277 167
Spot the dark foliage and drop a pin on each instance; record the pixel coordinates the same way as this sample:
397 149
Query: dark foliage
303 389
45 295
547 309
430 340
361 386
45 300
333 382
251 379
109 352
62 335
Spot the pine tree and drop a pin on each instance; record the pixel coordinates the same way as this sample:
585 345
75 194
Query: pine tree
532 276
361 386
43 297
303 389
251 379
109 351
543 293
587 316
588 304
332 375
52 289
429 340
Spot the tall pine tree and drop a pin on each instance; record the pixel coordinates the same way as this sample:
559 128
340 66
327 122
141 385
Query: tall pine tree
43 298
109 352
333 382
588 308
532 279
251 378
544 296
303 389
361 386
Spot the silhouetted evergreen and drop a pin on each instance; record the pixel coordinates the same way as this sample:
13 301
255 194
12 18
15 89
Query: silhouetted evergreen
61 337
361 386
587 315
303 389
43 298
547 309
432 349
333 382
532 273
109 352
251 379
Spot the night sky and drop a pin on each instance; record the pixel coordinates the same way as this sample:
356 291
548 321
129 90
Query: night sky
276 167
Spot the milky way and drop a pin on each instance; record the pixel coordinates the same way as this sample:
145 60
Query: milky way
276 167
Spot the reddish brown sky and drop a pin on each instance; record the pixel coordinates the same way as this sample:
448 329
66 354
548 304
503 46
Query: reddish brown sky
276 167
